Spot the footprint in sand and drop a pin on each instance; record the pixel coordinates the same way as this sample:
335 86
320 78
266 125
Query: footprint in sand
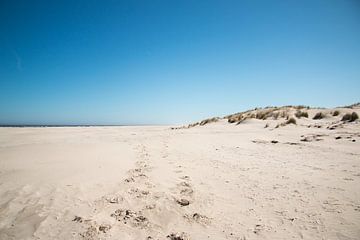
178 236
138 193
258 228
93 229
90 233
183 202
150 206
77 219
129 179
186 177
198 218
104 228
185 188
135 219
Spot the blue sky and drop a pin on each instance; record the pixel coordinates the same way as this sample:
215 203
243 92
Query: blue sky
173 62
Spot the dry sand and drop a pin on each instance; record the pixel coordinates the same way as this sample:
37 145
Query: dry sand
218 181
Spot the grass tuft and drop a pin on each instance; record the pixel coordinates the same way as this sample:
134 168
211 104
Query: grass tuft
210 120
300 114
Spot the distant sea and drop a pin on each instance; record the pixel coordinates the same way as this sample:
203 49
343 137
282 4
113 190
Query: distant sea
55 125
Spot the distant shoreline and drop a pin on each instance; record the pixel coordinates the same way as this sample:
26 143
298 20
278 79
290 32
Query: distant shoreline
58 125
46 125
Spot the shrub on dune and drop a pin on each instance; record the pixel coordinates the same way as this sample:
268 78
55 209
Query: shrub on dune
350 117
291 121
235 118
319 115
336 113
231 120
261 115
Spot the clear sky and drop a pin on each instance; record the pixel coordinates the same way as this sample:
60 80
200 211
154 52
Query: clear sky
164 62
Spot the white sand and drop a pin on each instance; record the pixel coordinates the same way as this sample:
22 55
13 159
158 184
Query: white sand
124 182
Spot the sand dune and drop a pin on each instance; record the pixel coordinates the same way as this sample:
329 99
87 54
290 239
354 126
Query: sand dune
253 178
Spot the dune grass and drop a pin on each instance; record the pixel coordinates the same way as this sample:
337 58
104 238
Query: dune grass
300 114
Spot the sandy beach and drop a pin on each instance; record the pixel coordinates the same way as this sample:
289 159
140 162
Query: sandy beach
217 181
179 120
